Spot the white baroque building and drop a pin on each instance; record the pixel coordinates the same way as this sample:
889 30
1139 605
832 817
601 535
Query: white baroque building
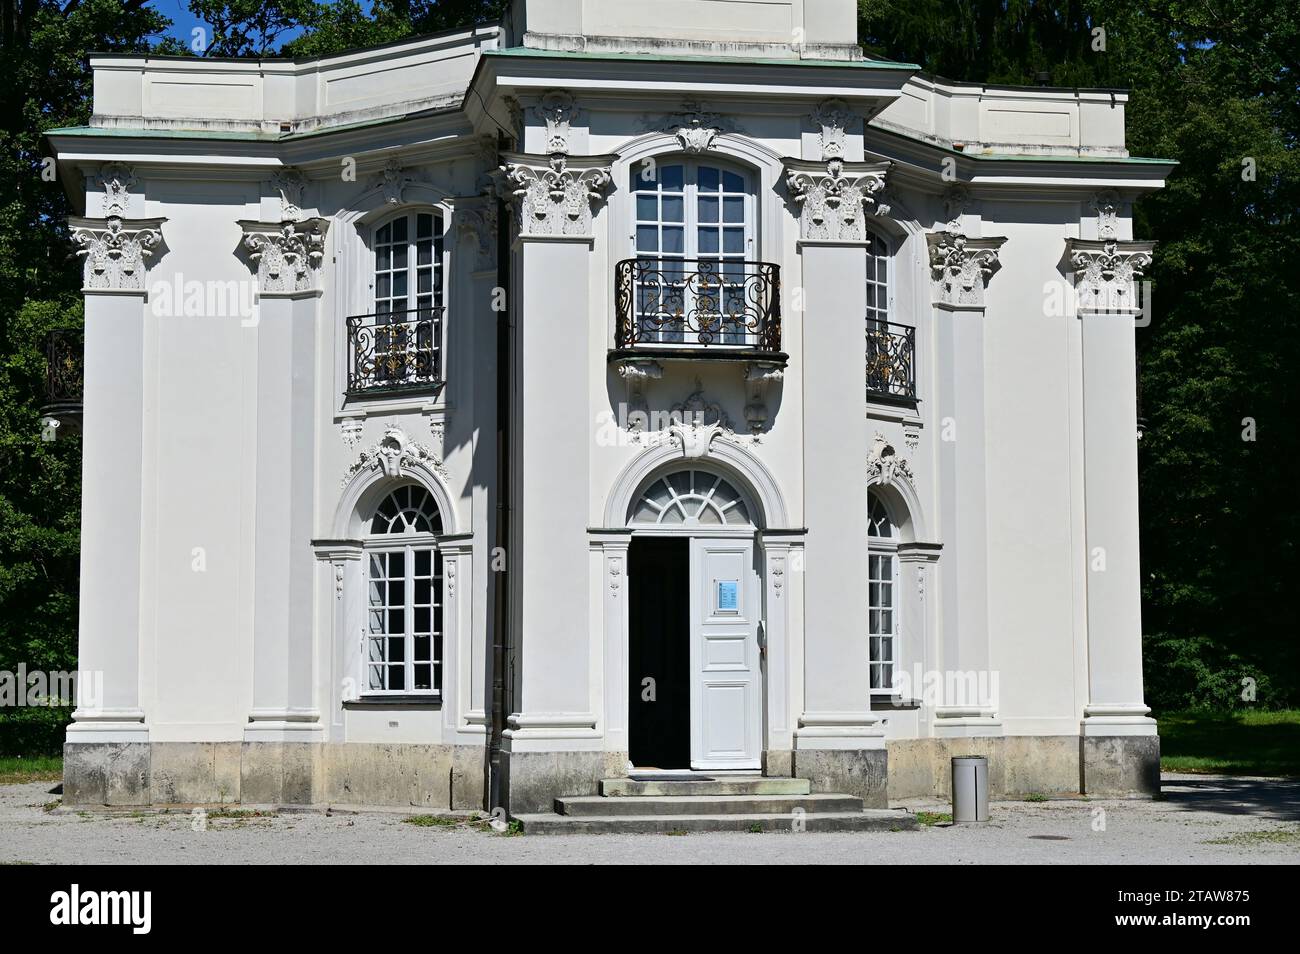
619 388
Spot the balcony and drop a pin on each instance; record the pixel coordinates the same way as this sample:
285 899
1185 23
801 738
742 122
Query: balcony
698 309
891 363
65 367
395 351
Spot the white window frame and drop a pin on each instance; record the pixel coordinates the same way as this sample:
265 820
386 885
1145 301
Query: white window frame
407 544
691 224
884 548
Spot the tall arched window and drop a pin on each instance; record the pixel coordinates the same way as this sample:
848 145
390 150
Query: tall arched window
882 595
693 237
691 498
404 618
399 344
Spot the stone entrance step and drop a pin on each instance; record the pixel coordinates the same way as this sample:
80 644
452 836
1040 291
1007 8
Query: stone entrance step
870 820
705 785
673 804
589 805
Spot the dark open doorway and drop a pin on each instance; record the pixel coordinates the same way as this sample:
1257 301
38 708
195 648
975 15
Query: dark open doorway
659 621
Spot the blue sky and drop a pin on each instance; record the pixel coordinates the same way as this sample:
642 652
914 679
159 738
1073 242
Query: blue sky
183 21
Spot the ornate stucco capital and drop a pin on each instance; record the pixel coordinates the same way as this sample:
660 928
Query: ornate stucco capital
475 218
287 255
834 197
115 251
554 195
1106 273
960 267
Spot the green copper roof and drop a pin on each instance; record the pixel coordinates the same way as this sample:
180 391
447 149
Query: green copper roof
686 58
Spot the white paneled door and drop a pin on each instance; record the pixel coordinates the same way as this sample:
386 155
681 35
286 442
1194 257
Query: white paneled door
726 685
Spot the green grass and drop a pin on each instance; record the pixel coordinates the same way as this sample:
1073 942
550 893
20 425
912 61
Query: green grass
40 768
1247 742
432 821
933 818
1247 839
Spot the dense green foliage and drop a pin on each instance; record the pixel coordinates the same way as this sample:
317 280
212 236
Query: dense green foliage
1212 87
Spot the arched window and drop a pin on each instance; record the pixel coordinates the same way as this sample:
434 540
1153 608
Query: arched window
691 498
693 238
404 619
882 595
399 344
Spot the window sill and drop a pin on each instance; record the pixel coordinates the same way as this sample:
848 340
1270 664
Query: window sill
893 703
408 701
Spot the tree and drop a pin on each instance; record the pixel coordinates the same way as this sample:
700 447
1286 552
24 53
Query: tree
44 46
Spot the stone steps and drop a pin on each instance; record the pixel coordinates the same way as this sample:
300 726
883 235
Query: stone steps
670 805
588 805
872 820
719 785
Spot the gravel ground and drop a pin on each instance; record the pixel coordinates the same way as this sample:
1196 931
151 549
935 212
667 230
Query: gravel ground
1199 820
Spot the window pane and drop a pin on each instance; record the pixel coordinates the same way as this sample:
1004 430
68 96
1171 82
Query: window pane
399 230
733 182
670 178
673 208
424 225
674 242
733 208
708 208
708 179
647 238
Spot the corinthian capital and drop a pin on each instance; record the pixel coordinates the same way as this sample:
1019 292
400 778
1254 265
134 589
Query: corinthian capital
834 197
287 255
1106 273
553 195
960 267
115 251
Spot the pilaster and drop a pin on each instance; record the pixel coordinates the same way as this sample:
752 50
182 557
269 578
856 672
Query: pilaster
116 252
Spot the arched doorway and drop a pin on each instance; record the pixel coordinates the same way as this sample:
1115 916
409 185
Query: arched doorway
695 606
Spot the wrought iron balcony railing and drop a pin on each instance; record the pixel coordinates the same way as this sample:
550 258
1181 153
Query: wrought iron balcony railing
891 361
65 367
395 350
718 304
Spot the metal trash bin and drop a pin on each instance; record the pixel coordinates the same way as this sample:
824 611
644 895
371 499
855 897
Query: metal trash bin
970 789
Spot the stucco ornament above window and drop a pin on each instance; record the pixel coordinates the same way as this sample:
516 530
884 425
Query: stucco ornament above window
694 127
955 200
1106 274
696 423
554 195
287 256
835 197
960 267
884 465
394 180
394 455
115 251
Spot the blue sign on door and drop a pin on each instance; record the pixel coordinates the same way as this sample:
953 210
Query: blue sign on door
728 596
